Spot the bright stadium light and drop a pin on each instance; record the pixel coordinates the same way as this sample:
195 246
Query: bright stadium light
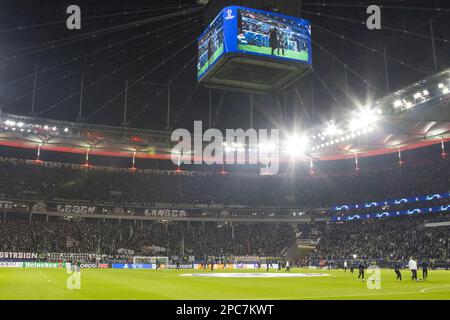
296 145
363 118
331 129
398 103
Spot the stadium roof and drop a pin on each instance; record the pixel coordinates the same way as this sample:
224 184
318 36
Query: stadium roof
421 121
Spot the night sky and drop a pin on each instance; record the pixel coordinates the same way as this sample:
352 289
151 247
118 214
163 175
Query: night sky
137 44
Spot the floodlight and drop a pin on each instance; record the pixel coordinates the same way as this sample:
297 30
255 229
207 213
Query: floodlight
362 119
397 103
331 129
296 145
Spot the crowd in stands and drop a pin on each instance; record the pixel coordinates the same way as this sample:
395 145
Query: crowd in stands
304 191
394 239
390 238
179 238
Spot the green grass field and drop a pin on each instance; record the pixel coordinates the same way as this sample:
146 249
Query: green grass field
168 284
303 55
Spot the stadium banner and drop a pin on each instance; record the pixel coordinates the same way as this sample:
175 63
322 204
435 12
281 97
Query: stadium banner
6 205
224 266
253 266
216 266
18 255
165 213
51 265
77 209
245 266
387 214
392 202
74 208
182 266
14 206
133 266
11 264
103 266
88 266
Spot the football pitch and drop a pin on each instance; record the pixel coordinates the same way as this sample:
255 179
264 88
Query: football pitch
197 285
302 55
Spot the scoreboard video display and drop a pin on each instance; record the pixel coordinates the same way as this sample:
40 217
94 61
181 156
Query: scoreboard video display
210 45
246 31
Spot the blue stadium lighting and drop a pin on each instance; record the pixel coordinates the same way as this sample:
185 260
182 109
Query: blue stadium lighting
371 204
387 214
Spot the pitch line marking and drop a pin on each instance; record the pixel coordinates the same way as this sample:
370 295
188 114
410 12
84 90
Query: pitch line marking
433 288
255 275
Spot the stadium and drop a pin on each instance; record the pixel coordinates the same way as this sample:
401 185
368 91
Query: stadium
224 150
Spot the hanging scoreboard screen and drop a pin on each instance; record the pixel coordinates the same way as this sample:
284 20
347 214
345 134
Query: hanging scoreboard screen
252 35
210 45
273 35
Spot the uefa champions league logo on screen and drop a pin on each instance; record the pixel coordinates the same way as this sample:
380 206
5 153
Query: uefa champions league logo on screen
229 15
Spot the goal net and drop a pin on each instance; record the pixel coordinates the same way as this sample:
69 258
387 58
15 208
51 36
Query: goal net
163 261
